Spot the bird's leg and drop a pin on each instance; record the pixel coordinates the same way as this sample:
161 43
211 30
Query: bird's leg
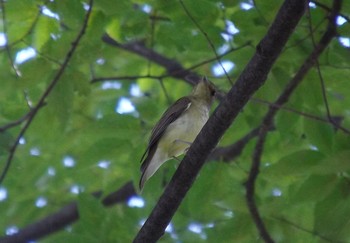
185 142
185 152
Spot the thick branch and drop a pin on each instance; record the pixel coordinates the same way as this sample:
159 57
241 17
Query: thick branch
268 119
252 78
65 216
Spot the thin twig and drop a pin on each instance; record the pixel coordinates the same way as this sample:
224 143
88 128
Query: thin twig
304 114
7 47
311 31
319 4
311 116
319 73
207 38
46 93
153 26
248 43
165 91
50 59
16 122
324 95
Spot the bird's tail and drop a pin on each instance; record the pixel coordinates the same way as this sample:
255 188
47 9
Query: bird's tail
150 167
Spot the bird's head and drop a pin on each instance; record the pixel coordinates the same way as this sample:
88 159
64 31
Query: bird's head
205 91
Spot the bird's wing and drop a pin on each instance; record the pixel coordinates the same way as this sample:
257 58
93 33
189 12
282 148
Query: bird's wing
169 116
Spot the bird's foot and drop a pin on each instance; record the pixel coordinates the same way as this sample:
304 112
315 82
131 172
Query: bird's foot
175 158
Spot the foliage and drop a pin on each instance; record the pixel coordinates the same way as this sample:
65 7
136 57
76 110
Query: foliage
82 139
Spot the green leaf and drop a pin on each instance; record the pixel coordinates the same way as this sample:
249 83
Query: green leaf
19 25
13 109
60 102
332 214
286 122
116 8
119 126
6 141
294 165
315 188
269 10
44 28
203 11
71 13
344 30
92 216
80 83
320 135
35 72
336 163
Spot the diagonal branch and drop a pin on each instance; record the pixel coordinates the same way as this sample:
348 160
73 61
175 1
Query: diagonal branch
232 151
172 67
16 122
269 117
47 92
135 47
251 79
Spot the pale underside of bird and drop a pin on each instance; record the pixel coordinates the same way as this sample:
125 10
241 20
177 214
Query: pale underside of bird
177 129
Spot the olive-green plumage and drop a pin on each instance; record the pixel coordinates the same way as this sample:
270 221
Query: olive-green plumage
177 128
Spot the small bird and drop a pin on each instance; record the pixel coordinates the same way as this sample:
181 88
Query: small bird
177 129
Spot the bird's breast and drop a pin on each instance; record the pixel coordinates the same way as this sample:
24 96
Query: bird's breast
184 130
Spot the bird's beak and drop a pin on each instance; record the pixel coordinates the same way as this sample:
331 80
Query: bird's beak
205 80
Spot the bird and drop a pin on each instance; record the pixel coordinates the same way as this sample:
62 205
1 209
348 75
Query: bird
177 128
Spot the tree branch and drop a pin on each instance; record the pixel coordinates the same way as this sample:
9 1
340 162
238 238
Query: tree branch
232 151
46 93
172 67
16 122
251 79
163 61
317 3
269 117
66 216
